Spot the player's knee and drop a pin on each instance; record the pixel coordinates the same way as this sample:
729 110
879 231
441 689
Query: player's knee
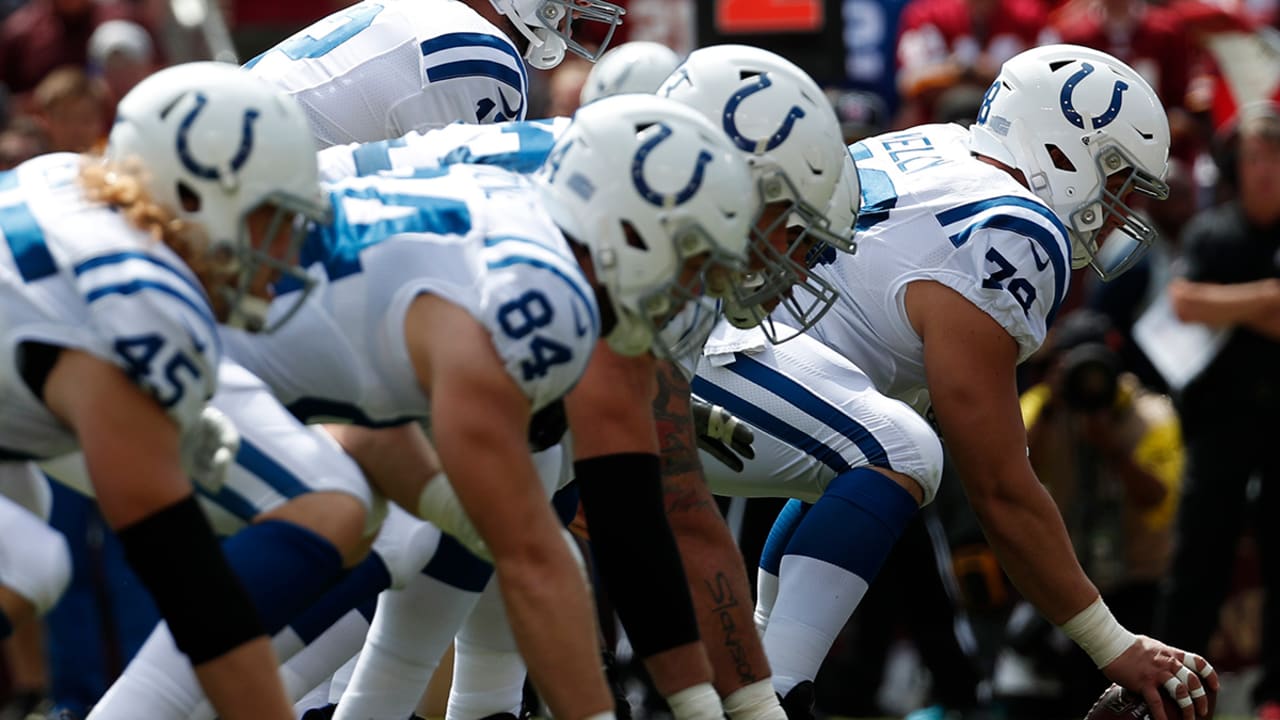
926 465
337 517
915 454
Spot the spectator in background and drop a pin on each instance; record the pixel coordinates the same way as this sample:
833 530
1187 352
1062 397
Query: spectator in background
1124 299
1231 411
121 55
1110 453
1151 40
69 106
564 86
46 34
861 113
20 141
949 43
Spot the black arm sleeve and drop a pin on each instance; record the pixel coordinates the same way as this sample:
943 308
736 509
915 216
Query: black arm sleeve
636 554
178 559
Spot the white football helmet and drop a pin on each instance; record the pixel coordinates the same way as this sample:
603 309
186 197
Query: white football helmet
216 143
633 67
647 184
548 26
1069 118
782 123
842 213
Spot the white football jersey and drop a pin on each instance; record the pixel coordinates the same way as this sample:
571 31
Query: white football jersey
518 146
379 69
473 235
930 211
75 274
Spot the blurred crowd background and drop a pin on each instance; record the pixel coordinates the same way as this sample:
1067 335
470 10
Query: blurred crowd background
1152 435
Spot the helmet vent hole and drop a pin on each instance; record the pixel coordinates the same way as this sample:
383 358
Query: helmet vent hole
633 237
1057 65
164 111
189 199
747 74
641 127
1060 159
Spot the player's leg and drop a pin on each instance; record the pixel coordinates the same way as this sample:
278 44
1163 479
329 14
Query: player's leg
771 559
405 643
35 563
488 674
866 462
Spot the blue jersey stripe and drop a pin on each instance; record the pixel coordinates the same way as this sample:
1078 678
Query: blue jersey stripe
231 501
495 240
544 265
136 286
464 39
776 427
8 180
1038 234
477 68
26 242
120 257
265 468
812 405
459 40
956 214
374 157
254 61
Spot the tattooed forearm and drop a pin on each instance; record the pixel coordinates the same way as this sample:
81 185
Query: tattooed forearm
724 605
674 422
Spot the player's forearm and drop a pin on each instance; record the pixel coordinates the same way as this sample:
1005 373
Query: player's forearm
482 447
1026 531
712 562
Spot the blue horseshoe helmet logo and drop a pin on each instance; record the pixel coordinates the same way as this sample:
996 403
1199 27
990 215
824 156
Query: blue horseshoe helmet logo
763 144
654 197
211 172
1074 116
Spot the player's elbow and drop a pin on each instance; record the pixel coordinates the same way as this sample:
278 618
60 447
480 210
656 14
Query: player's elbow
995 497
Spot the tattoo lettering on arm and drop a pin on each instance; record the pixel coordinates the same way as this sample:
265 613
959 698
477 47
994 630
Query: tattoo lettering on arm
679 446
724 604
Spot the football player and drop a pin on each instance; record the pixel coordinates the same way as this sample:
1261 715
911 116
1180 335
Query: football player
381 68
966 243
113 299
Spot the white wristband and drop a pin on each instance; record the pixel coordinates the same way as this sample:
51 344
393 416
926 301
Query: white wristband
699 702
756 701
439 505
1098 633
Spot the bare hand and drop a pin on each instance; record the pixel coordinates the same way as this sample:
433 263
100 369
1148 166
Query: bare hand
1150 667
